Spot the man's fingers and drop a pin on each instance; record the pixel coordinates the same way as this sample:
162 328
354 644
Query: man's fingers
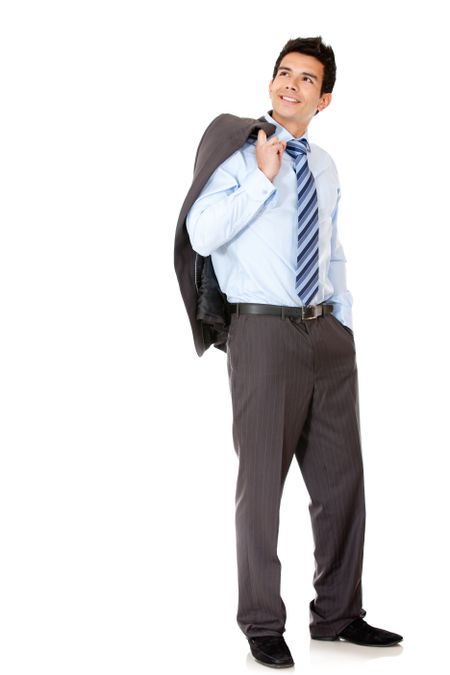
262 137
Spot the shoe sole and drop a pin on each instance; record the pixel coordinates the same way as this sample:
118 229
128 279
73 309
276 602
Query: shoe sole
274 665
361 644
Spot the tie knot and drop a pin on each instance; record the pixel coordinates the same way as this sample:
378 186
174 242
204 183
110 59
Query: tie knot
296 147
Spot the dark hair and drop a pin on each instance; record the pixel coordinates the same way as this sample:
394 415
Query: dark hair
314 46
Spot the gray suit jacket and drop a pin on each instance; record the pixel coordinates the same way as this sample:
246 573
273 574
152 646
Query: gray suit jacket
206 304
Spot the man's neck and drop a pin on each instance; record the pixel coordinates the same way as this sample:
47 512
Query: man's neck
291 126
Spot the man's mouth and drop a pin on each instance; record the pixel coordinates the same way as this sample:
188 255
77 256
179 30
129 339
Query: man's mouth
289 99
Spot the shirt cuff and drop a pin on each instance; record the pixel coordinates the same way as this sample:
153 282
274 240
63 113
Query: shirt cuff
258 186
343 313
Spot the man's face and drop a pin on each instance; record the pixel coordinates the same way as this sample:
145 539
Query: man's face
299 77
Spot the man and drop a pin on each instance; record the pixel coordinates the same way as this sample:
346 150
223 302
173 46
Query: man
263 278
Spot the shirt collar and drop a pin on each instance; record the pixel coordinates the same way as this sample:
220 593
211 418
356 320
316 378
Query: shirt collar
281 132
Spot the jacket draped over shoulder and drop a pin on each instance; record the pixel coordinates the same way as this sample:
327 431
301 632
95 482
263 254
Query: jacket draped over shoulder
207 306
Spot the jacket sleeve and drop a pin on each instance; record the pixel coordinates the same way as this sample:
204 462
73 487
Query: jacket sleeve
341 298
225 205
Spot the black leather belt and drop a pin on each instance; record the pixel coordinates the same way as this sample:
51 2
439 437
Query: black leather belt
305 313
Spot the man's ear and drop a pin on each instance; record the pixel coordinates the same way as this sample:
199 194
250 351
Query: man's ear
325 101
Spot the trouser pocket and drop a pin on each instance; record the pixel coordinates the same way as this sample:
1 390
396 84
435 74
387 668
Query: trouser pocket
347 329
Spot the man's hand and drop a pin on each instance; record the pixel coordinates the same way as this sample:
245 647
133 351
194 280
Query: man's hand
269 154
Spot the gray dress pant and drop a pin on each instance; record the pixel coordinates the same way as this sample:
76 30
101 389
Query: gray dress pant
294 390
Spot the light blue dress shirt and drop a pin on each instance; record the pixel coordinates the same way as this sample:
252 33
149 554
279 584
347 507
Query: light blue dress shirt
248 224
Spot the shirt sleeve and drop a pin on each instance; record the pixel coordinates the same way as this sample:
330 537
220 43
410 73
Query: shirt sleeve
341 298
225 205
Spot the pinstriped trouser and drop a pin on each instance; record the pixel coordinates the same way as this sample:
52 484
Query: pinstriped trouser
294 390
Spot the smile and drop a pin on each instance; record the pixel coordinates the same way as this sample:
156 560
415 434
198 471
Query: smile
288 99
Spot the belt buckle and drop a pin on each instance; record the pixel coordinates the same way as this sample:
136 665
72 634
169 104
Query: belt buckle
308 312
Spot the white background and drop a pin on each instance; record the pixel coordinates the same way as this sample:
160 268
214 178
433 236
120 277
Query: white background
117 465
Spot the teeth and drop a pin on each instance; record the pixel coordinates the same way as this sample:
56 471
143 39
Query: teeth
285 98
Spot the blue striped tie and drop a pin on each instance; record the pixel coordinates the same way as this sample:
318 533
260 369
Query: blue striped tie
307 276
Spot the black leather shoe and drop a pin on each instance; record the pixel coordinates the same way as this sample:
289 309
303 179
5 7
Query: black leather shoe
271 650
360 633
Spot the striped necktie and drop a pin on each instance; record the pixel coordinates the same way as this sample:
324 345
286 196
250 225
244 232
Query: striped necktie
307 275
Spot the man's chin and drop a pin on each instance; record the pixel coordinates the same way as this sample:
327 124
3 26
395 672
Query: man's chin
286 114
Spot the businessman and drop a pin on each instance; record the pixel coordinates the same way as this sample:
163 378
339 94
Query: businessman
262 273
